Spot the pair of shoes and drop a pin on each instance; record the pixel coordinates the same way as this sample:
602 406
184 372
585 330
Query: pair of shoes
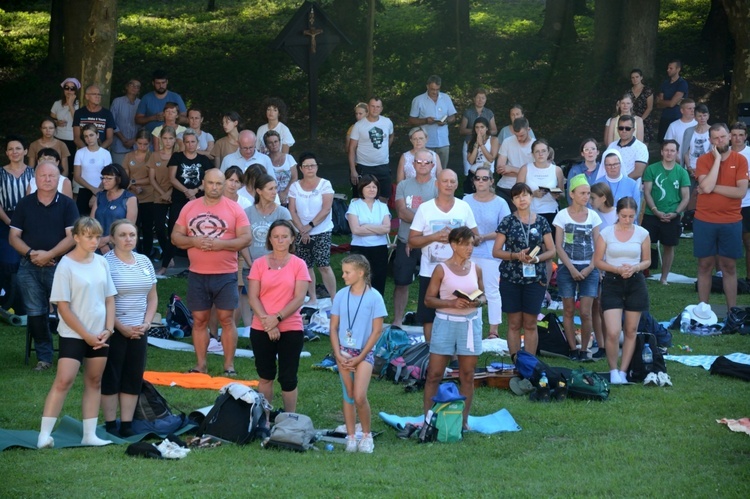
351 443
492 336
540 395
171 450
230 373
366 445
407 432
42 366
599 354
583 356
651 379
664 379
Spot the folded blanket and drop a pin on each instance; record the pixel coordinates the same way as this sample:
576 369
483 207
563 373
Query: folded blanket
492 423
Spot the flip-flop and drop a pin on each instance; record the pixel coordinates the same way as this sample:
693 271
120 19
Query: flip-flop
230 373
196 371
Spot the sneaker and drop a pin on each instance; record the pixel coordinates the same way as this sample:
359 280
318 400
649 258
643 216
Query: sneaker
310 335
651 379
42 366
351 443
583 356
664 379
573 354
366 445
599 354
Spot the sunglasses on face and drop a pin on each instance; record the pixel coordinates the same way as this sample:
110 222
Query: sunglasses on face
72 89
482 179
625 128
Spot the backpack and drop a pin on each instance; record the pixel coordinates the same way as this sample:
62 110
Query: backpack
531 368
411 364
158 331
552 339
153 413
727 367
338 216
238 415
449 420
391 344
637 371
648 324
179 316
587 385
291 431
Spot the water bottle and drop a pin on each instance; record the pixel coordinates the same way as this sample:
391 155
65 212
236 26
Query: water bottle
647 355
543 381
685 322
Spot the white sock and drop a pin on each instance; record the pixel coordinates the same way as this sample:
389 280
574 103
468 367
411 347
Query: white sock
45 439
89 434
614 376
624 376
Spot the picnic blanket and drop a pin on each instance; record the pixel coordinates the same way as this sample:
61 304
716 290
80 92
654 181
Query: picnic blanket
500 421
214 347
194 380
674 278
705 361
68 434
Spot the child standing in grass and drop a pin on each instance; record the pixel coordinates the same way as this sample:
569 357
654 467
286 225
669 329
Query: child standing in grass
356 324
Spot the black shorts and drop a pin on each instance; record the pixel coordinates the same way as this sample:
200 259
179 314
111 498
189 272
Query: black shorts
74 348
287 349
404 267
746 219
630 295
125 365
425 315
666 233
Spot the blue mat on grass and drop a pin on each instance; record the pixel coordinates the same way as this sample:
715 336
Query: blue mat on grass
68 434
492 423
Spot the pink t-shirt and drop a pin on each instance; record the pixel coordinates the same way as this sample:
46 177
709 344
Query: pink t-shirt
277 289
219 221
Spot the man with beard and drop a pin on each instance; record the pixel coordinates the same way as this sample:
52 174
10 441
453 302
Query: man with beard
149 114
722 183
212 229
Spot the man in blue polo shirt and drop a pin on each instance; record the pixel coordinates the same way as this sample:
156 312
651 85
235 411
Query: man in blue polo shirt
433 110
41 231
150 111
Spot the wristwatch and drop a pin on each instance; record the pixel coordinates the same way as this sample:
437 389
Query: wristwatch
311 224
279 317
28 253
132 181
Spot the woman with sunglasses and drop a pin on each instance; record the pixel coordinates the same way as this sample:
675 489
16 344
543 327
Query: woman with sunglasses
625 108
63 110
113 202
489 210
418 138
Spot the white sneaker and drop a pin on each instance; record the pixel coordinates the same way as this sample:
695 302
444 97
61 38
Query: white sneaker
652 379
351 444
664 379
366 445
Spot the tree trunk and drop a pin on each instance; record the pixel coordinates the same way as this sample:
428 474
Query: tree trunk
638 35
370 49
56 28
607 19
715 34
738 14
558 24
98 51
211 6
75 15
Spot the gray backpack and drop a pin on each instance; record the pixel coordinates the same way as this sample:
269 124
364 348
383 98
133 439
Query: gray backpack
291 431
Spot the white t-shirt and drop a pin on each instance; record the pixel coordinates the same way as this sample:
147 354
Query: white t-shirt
630 153
518 155
358 208
287 139
284 172
676 131
698 146
542 177
63 114
430 219
619 253
309 204
746 200
578 238
372 141
133 283
85 286
92 164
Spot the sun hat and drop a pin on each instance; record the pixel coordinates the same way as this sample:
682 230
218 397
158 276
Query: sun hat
447 392
702 314
72 80
577 181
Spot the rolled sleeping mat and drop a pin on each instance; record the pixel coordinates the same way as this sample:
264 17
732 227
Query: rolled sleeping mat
11 318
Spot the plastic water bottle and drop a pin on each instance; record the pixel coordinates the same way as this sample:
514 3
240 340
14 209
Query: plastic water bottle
685 322
647 355
543 381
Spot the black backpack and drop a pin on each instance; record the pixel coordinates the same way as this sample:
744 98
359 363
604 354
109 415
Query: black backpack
235 420
552 339
411 364
638 370
531 368
338 216
648 324
153 413
179 316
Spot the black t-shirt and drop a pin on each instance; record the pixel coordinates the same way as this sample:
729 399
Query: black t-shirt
102 118
190 173
43 227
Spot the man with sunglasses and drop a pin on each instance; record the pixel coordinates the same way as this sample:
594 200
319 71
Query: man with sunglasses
634 153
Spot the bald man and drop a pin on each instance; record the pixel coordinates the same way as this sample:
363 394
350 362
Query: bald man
247 154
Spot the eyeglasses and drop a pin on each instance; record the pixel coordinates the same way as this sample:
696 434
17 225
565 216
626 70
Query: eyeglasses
72 89
247 148
612 165
625 128
95 95
590 149
308 166
420 162
482 179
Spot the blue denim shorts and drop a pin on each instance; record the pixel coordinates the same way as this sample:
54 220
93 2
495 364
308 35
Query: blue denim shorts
450 334
567 286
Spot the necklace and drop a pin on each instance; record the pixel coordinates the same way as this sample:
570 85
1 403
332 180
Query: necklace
274 264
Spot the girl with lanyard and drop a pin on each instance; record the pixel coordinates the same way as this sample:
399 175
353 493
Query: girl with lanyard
356 323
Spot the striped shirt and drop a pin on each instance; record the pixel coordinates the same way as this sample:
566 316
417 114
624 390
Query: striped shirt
12 189
133 282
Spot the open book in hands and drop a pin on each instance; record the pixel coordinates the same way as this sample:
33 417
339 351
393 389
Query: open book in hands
469 296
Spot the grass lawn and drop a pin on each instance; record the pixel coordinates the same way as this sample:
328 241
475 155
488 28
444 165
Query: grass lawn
642 442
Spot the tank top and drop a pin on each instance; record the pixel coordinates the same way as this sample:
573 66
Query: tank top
451 282
542 177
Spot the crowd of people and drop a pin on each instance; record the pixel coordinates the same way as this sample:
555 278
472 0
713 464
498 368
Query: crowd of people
256 222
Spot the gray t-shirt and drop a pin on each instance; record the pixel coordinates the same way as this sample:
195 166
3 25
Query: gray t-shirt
414 194
260 224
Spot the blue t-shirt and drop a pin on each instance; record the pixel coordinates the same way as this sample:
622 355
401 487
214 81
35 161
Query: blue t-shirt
108 211
356 314
151 105
668 89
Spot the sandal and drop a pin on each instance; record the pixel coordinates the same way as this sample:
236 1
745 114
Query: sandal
492 336
196 371
230 373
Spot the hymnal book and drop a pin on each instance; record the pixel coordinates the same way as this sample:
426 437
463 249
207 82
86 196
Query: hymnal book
468 296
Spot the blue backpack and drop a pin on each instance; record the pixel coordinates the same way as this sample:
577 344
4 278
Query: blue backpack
531 368
153 413
391 344
179 316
